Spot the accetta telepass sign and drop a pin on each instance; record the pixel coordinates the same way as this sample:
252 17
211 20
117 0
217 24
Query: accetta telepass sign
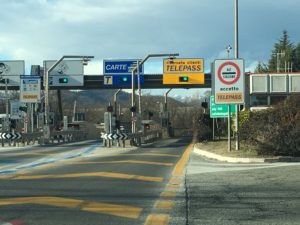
229 81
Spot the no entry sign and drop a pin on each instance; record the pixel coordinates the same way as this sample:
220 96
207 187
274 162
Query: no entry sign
229 81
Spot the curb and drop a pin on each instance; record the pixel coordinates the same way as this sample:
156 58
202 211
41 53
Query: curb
244 160
13 222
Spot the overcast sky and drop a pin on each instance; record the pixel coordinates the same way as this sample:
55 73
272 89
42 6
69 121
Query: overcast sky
35 30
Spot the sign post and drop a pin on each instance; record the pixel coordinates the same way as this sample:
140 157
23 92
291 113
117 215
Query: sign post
229 85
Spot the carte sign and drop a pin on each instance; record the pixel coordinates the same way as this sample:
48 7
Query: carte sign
121 67
229 81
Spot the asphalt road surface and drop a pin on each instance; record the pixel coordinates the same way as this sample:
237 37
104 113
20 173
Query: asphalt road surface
84 184
219 193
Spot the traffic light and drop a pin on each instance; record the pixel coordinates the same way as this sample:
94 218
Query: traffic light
184 79
150 114
23 108
110 109
2 81
63 80
124 79
204 105
133 109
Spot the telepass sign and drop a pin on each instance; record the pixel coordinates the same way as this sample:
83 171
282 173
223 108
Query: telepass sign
229 81
183 71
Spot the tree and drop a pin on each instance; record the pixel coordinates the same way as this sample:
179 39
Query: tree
261 68
296 61
283 53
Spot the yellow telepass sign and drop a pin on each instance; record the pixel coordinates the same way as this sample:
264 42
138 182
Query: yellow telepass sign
183 71
183 66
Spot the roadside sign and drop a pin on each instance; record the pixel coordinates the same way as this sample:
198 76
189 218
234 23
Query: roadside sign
220 110
107 80
15 112
11 70
66 73
30 89
66 67
183 71
121 67
229 81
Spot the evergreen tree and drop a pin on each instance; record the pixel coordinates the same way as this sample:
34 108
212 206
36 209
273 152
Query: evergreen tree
282 54
261 68
296 61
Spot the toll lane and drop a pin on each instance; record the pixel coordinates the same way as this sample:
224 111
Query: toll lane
108 187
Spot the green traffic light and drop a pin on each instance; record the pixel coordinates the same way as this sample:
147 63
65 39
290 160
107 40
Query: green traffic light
63 80
184 79
124 79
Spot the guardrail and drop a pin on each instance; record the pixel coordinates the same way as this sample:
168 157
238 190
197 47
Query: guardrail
135 139
37 137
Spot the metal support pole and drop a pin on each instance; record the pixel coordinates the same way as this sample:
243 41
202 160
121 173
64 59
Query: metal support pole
31 119
6 107
213 133
60 108
229 129
236 51
115 102
132 102
166 99
139 87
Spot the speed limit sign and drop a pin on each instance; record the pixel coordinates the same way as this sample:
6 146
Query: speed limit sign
229 81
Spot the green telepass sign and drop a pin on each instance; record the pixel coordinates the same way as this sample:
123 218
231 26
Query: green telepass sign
220 111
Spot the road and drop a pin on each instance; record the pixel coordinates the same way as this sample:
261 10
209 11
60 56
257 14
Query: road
85 184
219 193
82 185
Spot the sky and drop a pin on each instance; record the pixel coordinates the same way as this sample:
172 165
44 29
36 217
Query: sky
38 30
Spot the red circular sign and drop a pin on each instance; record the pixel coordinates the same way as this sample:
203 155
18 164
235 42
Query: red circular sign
230 73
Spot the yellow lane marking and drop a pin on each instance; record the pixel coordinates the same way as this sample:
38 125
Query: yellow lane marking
27 153
5 177
154 154
157 219
121 161
164 204
179 168
168 194
96 207
92 174
175 180
173 186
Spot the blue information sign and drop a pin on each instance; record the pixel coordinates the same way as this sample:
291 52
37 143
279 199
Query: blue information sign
121 80
120 67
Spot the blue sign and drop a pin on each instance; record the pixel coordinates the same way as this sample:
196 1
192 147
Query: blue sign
121 80
120 67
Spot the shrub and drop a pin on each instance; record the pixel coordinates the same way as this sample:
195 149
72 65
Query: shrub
275 131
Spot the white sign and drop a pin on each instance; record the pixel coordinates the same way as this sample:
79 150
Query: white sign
229 81
30 89
8 68
15 113
66 67
12 70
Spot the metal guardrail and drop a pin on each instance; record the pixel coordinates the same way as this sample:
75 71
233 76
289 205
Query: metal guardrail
37 137
135 139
